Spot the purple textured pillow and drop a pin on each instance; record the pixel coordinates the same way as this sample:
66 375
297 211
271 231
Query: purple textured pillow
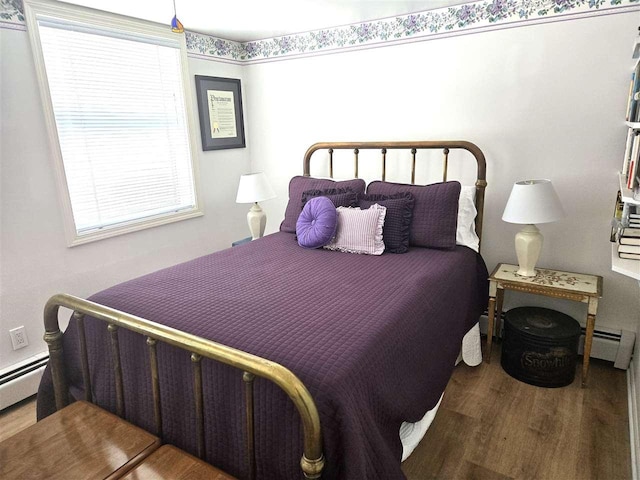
340 197
435 212
397 222
317 223
299 184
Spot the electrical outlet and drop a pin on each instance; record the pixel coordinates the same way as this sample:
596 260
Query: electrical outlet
18 337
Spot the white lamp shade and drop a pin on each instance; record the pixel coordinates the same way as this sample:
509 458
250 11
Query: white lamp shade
533 201
254 187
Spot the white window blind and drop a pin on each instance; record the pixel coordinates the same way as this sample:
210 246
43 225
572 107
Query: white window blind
119 107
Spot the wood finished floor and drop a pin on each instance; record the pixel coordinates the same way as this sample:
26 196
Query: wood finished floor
491 426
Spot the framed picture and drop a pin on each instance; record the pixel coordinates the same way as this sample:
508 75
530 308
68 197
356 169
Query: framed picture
220 109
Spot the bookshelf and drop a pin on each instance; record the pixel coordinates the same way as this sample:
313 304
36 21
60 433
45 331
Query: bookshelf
627 184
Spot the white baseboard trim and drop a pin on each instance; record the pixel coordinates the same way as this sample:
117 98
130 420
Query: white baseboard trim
634 422
21 380
24 387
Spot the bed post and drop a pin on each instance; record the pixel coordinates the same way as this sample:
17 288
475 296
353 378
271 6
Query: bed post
53 337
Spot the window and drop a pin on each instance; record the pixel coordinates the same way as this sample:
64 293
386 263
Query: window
118 105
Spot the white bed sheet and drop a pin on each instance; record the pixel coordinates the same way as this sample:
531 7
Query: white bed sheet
412 433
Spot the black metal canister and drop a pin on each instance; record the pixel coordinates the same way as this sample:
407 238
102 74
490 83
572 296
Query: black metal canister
540 346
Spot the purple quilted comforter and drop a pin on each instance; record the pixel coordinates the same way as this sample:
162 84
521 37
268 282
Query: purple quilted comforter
374 339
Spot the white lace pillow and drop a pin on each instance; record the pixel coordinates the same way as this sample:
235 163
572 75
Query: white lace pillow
466 231
359 231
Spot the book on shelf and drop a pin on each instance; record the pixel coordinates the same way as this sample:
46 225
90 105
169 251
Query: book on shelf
632 100
630 96
625 235
631 159
629 249
631 174
629 240
629 243
630 232
628 148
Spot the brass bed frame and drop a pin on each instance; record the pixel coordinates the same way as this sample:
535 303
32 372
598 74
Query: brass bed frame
312 461
445 145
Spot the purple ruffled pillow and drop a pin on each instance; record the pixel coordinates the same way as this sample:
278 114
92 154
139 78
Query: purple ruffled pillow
340 197
435 212
397 222
298 185
317 223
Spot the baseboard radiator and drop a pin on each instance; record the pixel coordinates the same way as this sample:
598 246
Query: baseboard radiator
21 381
608 344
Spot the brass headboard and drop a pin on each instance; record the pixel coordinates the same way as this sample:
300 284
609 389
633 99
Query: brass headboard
445 145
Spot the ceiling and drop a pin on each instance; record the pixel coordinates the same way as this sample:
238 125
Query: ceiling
246 20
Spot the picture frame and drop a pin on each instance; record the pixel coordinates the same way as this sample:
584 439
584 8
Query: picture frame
220 112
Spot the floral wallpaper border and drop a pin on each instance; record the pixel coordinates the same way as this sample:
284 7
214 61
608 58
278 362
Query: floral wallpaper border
12 14
480 15
456 20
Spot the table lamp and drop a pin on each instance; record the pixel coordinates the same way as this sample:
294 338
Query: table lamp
254 188
531 202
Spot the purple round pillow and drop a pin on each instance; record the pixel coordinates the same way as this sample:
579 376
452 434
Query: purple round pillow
317 223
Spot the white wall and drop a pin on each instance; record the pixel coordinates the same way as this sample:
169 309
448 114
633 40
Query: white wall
35 261
541 101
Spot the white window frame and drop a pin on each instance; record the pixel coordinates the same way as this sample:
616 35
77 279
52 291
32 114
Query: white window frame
35 9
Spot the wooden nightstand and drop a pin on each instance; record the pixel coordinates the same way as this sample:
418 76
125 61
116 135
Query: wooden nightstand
579 287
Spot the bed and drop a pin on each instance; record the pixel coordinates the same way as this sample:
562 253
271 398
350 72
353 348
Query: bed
372 338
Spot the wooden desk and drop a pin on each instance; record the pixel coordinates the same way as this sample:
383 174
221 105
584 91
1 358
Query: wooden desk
579 287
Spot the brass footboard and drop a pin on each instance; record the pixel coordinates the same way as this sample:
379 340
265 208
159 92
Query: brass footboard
312 461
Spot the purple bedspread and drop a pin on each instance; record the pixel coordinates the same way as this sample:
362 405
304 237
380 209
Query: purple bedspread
374 339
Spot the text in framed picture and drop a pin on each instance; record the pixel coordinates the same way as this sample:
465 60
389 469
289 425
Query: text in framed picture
220 109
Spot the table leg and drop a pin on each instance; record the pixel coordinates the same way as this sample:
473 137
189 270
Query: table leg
588 340
499 301
492 315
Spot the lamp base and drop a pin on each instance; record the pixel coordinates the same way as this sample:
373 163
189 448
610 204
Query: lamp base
528 248
257 221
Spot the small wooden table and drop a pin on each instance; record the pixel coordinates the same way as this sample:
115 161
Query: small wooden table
579 287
